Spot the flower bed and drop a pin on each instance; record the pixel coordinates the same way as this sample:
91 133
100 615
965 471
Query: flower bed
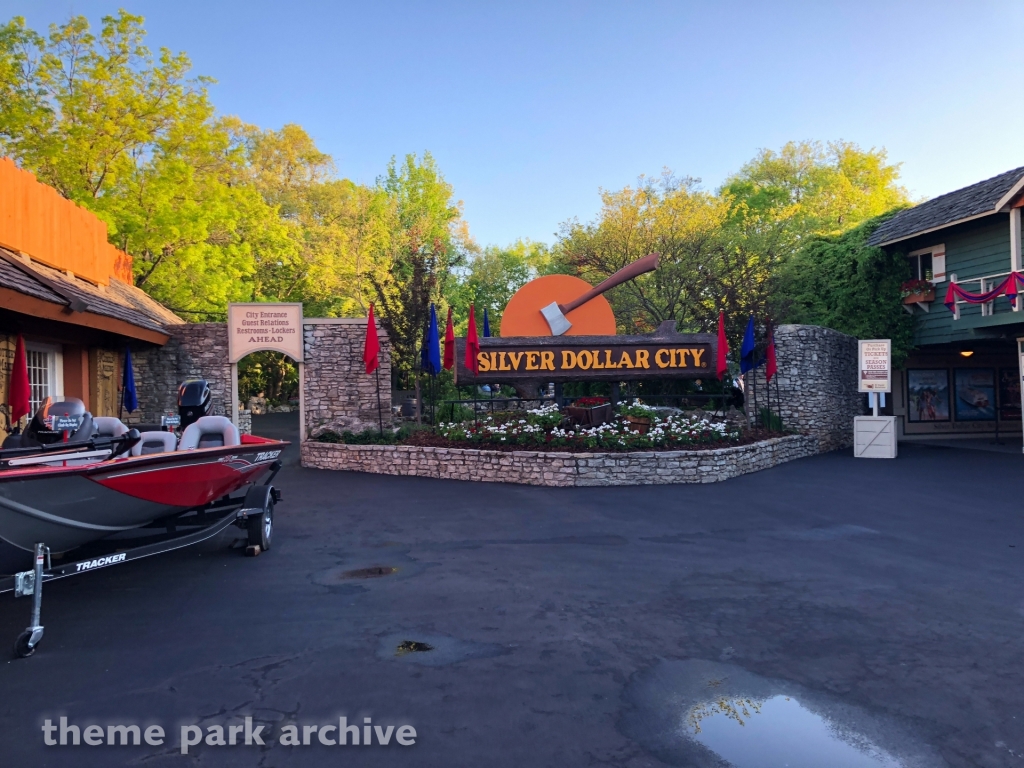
544 429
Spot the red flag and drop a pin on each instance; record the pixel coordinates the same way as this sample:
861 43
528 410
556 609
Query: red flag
449 343
371 347
472 343
723 348
19 390
772 365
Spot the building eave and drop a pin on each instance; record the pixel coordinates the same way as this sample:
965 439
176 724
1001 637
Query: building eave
15 301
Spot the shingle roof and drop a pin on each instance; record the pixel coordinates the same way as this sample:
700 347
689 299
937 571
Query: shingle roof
117 300
969 202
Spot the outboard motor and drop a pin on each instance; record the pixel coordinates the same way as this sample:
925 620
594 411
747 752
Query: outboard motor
54 418
194 400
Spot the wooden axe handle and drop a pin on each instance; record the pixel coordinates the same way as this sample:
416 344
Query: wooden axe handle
648 263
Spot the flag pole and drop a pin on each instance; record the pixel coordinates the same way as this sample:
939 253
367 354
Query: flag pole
767 381
380 413
753 387
778 398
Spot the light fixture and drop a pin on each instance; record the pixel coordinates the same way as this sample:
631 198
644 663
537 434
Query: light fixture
966 352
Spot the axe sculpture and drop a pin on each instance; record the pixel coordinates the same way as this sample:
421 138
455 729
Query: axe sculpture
555 313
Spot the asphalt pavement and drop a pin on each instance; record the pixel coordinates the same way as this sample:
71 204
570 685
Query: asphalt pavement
519 626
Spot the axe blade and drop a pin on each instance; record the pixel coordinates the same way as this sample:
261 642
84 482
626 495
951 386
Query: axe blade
556 320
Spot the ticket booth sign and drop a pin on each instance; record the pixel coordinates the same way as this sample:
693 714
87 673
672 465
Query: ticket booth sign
874 365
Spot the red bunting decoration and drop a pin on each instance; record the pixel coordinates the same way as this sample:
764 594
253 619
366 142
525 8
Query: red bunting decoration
1009 286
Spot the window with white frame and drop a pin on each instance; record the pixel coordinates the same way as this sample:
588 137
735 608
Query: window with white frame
928 264
45 373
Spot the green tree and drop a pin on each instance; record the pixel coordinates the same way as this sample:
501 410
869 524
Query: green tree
493 275
424 238
130 136
668 215
841 282
334 224
811 188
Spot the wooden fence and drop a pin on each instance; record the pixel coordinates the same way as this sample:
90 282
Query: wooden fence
36 220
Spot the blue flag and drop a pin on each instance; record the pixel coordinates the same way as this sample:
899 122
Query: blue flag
749 349
430 355
130 397
487 324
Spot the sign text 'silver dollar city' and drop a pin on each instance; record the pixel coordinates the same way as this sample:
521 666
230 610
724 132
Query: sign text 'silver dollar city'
566 358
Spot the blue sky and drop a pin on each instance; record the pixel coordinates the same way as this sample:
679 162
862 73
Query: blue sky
530 108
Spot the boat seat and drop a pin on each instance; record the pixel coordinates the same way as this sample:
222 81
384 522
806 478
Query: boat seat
155 442
108 426
209 432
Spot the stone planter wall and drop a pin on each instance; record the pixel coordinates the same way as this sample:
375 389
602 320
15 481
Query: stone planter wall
816 390
559 469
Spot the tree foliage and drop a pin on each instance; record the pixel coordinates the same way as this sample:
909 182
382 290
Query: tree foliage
724 251
668 215
841 282
129 135
810 188
423 239
215 210
492 275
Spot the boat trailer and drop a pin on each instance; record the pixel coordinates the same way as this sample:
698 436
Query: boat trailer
254 513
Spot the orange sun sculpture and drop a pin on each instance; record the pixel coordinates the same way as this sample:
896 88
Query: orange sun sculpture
522 315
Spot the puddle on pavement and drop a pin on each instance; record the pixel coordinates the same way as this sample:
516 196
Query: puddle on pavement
778 731
708 714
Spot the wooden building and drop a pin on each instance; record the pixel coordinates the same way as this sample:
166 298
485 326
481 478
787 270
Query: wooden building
69 293
965 375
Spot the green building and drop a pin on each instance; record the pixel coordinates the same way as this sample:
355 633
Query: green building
965 375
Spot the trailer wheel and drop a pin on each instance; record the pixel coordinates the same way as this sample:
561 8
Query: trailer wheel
261 527
22 647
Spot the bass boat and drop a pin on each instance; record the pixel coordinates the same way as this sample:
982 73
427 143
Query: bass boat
72 481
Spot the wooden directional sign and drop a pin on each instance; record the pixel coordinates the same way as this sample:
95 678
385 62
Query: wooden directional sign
255 327
663 354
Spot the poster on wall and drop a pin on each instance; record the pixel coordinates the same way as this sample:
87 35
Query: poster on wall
927 394
1009 394
975 394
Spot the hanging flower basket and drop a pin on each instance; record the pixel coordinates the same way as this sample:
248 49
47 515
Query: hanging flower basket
917 292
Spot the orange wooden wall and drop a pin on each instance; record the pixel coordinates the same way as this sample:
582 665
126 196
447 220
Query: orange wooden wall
36 220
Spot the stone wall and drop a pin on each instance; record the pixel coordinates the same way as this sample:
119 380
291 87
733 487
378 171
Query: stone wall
195 351
816 392
339 395
559 469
